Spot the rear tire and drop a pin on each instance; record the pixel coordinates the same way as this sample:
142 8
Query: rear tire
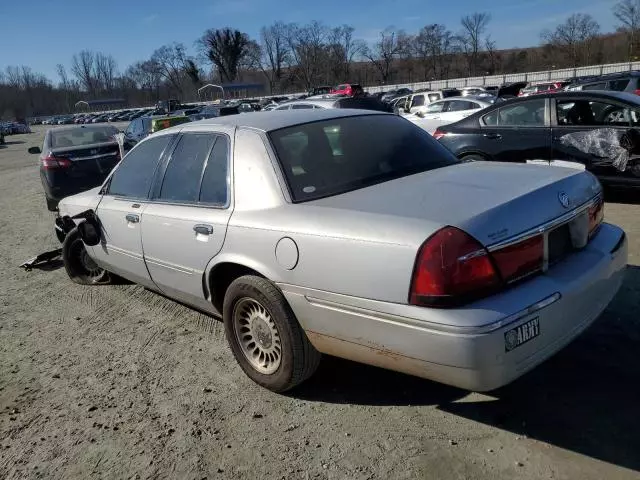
79 266
264 335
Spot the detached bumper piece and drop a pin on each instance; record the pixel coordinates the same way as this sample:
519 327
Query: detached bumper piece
41 259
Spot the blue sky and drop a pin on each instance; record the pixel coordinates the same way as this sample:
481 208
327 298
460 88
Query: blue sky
42 33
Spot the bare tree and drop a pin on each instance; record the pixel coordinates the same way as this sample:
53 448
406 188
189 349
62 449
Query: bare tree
575 38
471 38
170 61
628 14
193 72
146 76
105 71
343 49
433 44
82 66
384 53
14 76
308 46
227 50
490 47
274 52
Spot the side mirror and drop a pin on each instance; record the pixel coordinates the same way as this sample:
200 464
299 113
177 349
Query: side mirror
34 150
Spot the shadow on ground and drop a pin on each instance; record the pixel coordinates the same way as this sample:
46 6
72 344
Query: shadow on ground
585 399
14 142
626 196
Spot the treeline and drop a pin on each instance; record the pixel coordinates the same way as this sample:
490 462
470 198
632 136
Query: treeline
291 57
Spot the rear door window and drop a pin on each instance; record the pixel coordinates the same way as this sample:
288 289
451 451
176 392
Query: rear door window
586 113
181 181
436 107
460 105
133 176
619 85
522 114
595 86
214 189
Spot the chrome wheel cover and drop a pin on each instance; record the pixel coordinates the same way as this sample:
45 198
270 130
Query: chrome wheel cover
257 335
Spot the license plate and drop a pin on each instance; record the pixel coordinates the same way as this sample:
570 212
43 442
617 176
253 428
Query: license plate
521 334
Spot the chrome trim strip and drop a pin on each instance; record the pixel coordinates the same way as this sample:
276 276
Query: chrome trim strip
171 266
93 157
122 251
469 256
546 227
430 326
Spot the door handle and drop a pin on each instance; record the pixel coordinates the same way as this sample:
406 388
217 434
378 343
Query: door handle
132 218
203 229
493 136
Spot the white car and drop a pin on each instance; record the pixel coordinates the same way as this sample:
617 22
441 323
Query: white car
450 110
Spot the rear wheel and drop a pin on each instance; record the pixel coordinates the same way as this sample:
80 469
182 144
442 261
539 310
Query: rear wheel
79 266
264 335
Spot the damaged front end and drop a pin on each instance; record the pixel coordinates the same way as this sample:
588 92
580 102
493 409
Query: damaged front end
88 227
63 225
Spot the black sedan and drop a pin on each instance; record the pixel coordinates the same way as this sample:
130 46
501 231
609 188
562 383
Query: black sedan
599 131
75 159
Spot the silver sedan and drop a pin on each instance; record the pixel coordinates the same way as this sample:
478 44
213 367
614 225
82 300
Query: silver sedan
353 233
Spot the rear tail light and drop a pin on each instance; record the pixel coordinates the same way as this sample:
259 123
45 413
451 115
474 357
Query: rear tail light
50 162
520 259
637 91
452 267
596 215
438 134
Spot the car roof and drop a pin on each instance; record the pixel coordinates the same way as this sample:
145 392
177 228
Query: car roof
277 119
604 94
80 127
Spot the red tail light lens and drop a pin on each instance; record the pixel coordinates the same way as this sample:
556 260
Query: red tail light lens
521 259
451 268
637 92
438 134
51 162
596 215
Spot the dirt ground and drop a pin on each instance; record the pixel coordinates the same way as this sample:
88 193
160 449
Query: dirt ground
118 382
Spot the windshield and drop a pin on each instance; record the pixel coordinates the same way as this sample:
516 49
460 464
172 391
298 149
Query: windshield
82 136
335 156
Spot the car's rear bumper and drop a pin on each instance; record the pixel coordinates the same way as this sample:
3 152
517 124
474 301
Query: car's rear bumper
466 347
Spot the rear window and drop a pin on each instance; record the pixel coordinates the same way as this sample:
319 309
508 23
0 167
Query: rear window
335 156
619 85
82 136
365 103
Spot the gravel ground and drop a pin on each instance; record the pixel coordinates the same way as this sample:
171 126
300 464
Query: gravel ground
118 382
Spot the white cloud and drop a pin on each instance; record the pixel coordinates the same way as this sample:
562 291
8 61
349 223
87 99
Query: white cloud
150 18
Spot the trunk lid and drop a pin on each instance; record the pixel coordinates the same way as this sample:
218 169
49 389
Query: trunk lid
96 159
489 200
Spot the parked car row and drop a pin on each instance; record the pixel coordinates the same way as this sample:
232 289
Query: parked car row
13 128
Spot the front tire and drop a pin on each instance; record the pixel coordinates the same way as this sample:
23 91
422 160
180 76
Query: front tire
79 266
265 337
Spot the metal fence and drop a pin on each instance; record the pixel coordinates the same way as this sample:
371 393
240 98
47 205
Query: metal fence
513 77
